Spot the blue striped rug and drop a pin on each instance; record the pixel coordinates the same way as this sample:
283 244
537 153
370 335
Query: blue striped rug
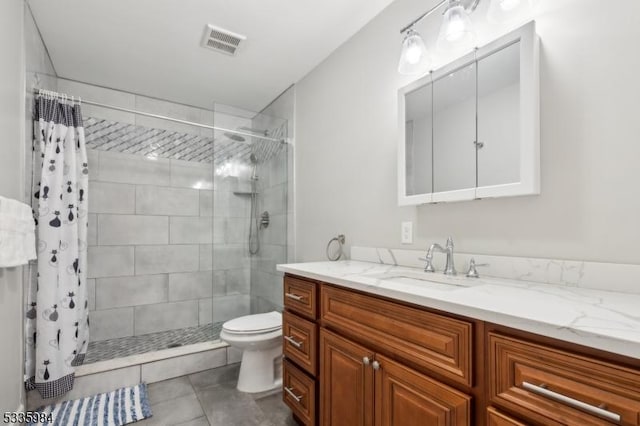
119 407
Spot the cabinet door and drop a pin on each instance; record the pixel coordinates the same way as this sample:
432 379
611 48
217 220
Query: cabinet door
346 381
405 397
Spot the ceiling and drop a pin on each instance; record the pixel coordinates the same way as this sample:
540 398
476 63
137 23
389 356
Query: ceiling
152 47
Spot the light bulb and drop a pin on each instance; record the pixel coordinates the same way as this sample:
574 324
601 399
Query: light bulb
413 59
413 54
457 29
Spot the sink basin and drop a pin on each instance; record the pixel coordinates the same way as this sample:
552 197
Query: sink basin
423 280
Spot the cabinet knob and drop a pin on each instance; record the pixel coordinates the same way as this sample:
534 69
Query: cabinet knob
366 360
375 365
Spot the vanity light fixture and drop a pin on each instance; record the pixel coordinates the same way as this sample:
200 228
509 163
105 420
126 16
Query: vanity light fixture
414 57
456 31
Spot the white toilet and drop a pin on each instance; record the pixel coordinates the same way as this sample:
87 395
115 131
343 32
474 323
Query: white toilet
260 338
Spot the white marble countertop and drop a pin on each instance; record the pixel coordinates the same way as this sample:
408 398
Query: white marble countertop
599 319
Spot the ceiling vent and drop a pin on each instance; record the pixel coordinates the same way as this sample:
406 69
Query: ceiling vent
222 40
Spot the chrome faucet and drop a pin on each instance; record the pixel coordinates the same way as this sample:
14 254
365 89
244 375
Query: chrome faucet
449 269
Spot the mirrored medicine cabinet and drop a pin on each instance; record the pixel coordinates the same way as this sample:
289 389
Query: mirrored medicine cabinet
471 128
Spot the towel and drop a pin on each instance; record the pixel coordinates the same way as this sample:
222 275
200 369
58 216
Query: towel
17 233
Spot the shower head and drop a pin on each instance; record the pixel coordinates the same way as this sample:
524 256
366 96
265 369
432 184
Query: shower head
253 159
235 137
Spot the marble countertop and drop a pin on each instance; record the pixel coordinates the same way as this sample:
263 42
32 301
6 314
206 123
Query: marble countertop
605 320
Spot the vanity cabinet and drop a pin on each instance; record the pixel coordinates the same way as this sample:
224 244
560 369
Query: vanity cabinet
300 348
356 359
385 363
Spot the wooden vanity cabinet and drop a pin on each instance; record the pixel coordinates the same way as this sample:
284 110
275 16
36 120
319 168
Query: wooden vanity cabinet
375 360
300 348
355 359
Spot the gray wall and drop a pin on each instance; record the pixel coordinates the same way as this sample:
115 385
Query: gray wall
346 136
12 86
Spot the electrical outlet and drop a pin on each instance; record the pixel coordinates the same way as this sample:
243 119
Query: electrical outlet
406 233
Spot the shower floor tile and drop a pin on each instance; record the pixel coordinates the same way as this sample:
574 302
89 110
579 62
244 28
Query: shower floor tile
134 345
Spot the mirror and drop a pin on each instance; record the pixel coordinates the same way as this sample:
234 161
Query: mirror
418 141
471 128
454 130
499 117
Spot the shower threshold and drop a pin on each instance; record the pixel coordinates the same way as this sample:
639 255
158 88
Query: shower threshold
134 345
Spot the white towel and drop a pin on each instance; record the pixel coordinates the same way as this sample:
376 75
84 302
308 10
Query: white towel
17 233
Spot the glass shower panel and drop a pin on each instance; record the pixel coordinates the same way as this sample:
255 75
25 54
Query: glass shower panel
250 212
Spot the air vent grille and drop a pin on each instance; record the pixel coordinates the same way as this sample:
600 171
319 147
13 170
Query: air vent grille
222 40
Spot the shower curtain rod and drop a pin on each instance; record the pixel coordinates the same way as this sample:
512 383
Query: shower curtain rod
163 117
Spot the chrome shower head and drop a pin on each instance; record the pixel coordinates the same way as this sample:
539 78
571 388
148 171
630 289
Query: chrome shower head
253 159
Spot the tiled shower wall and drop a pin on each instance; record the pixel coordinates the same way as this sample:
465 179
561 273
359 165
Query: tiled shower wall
160 256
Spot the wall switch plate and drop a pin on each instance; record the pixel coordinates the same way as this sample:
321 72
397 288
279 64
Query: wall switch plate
406 233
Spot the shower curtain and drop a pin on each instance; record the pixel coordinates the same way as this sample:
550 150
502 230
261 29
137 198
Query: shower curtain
57 321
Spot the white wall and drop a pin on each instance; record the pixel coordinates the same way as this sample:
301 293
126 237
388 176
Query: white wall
12 86
346 134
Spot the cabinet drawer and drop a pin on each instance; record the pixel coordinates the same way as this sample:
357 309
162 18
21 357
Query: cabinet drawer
300 296
431 341
299 393
555 387
300 339
496 418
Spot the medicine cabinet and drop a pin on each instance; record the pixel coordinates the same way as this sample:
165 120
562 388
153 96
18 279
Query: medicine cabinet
471 128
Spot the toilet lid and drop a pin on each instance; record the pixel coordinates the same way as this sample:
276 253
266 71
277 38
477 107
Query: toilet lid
270 321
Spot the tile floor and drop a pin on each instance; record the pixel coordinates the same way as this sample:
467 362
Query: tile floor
134 345
210 398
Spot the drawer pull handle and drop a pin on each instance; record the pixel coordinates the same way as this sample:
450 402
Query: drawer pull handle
294 342
542 390
366 360
375 365
294 296
293 395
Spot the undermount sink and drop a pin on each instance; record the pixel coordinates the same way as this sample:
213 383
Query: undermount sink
432 281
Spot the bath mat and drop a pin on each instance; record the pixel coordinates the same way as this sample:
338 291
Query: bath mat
119 407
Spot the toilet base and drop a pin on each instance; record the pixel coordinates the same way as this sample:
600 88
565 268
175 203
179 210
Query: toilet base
260 370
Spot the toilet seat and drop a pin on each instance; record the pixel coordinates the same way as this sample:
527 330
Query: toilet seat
254 324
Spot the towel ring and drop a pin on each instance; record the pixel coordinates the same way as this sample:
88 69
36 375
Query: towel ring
340 240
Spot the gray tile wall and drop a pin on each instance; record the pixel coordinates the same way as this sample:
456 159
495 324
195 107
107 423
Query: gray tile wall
156 226
153 236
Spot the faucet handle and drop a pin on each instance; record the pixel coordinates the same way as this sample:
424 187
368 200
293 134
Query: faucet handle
429 266
473 272
450 242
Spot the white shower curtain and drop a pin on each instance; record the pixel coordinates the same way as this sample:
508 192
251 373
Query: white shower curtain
57 321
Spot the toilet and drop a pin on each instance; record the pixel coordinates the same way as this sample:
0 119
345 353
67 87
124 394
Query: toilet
259 336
